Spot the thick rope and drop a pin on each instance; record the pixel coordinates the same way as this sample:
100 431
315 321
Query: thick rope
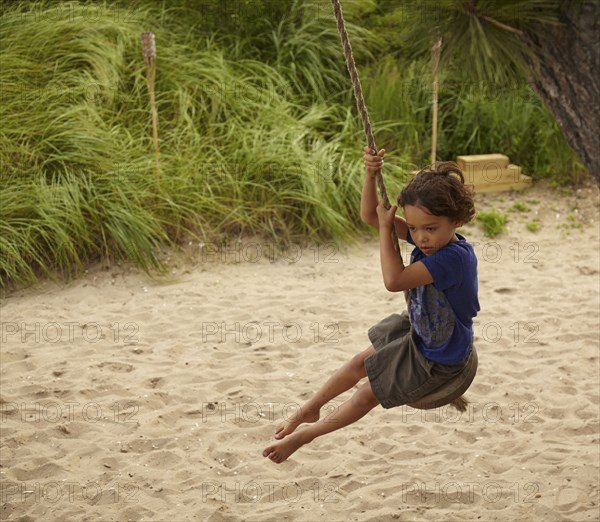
362 109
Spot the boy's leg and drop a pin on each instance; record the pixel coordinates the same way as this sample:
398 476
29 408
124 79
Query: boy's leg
350 411
343 379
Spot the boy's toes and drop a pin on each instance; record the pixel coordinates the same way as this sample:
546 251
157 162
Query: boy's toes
272 454
276 457
269 451
282 431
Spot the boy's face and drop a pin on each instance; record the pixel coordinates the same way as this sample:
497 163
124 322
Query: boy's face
429 232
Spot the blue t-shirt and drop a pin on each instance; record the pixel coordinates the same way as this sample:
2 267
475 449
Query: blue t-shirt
442 312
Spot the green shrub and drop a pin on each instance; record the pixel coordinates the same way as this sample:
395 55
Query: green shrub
493 223
519 206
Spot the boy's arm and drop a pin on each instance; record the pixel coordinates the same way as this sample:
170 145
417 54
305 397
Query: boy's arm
396 276
369 201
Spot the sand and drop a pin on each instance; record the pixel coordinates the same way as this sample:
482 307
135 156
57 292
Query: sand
128 399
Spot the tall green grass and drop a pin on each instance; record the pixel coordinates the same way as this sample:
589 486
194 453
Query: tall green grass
258 131
239 153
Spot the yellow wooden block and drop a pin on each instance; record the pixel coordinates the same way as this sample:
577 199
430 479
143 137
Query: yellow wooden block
492 174
482 161
492 178
523 183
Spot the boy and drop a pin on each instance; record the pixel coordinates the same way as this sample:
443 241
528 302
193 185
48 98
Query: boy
408 358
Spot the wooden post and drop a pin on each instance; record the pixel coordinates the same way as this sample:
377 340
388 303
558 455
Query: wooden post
435 59
149 52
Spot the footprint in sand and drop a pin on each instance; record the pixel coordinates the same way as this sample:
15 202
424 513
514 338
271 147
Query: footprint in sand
116 367
505 290
586 270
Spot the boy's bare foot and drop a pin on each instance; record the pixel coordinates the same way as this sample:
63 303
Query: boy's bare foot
304 414
281 450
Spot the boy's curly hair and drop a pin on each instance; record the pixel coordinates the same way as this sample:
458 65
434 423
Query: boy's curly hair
440 188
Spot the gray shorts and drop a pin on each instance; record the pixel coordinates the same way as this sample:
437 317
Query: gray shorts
398 372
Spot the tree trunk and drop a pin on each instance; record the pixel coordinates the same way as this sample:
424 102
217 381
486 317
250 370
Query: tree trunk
564 75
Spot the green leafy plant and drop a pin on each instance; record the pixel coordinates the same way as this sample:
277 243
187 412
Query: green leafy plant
519 206
493 223
573 221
